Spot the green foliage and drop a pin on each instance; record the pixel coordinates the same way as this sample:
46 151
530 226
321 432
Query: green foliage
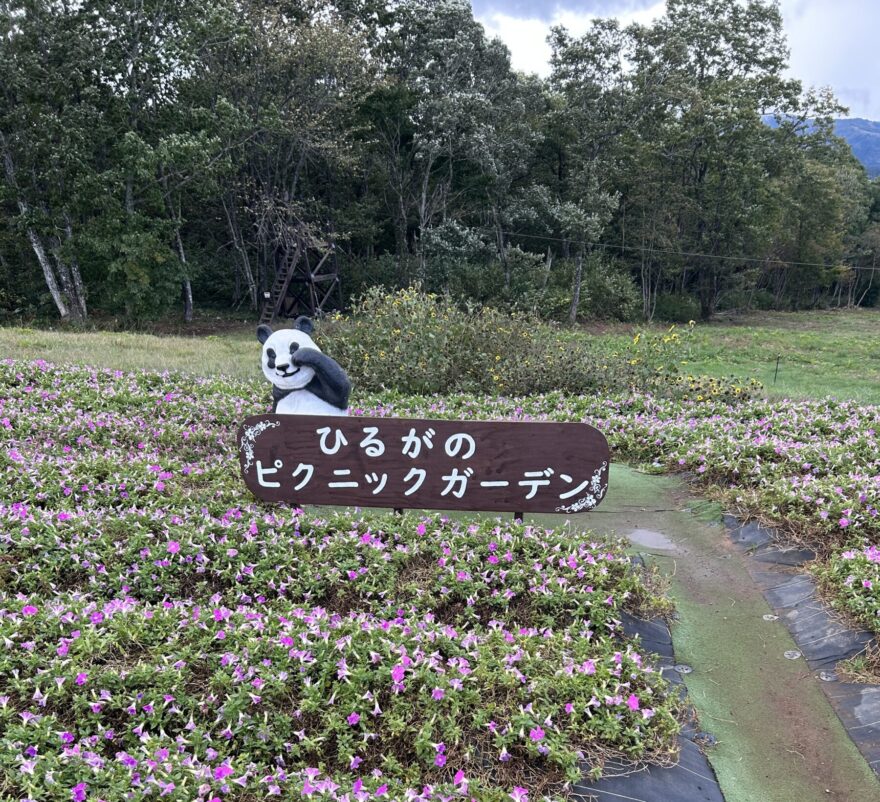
852 576
411 341
417 342
177 146
677 308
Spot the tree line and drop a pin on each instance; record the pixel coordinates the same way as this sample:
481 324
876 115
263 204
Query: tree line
165 153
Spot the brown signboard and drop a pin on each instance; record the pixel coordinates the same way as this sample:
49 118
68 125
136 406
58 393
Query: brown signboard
424 464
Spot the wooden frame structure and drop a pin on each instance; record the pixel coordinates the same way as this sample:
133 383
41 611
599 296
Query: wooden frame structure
299 287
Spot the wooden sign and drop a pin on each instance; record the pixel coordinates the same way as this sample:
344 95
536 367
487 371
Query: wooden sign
424 464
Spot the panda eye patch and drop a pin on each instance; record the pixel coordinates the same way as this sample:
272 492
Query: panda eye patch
294 347
270 352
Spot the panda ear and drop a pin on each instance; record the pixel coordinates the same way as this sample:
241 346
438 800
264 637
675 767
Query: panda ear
304 324
264 332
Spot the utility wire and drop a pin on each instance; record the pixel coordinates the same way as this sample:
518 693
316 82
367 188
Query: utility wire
638 249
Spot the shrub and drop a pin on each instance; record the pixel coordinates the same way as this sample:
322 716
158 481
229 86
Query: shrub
610 293
421 343
417 342
677 308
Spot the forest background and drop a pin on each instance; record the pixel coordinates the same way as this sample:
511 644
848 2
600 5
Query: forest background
159 155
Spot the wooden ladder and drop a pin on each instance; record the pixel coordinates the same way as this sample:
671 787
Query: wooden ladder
273 299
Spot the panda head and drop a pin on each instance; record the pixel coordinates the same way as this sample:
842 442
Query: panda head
279 348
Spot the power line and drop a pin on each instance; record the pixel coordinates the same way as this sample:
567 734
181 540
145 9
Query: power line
637 249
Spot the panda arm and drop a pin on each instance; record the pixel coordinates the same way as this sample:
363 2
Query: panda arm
330 381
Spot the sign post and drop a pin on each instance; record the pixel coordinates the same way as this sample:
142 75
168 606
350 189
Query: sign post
424 464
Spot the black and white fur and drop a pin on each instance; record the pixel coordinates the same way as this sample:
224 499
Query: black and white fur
304 380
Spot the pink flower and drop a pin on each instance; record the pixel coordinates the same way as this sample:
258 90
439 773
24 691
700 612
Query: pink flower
844 523
29 609
632 702
173 547
222 771
536 734
353 719
420 529
520 794
438 693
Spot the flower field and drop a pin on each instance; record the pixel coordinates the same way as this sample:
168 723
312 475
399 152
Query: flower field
812 468
165 635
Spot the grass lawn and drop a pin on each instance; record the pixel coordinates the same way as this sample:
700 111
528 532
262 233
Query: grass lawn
821 353
233 353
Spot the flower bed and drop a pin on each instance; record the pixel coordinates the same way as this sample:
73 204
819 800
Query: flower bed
810 467
165 637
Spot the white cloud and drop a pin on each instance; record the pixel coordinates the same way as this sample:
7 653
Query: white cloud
527 36
835 44
832 43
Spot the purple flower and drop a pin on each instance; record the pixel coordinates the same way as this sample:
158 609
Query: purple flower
353 719
222 771
29 609
536 734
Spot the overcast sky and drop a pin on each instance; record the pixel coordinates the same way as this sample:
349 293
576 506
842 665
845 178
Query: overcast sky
833 42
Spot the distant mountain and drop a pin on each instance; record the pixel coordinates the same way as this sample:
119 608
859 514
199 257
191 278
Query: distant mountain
864 139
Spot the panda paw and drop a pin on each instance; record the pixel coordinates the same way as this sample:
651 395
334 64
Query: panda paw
305 356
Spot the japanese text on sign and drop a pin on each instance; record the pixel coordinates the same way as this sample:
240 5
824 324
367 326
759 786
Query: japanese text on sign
425 464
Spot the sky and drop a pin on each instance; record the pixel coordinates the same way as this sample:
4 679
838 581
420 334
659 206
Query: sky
833 42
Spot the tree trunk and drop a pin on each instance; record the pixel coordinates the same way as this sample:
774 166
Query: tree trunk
238 243
187 300
548 265
502 248
66 280
576 286
186 285
48 272
34 239
870 282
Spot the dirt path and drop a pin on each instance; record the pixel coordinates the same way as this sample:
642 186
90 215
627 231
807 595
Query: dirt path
778 738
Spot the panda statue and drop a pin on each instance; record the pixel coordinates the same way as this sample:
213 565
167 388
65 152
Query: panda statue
304 380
